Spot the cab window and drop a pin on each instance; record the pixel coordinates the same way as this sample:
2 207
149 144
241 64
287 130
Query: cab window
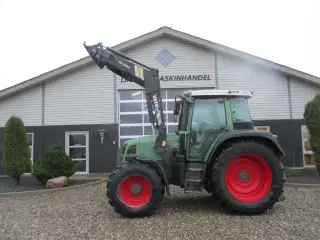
209 114
240 110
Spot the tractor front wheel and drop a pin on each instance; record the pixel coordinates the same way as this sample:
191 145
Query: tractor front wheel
247 178
135 189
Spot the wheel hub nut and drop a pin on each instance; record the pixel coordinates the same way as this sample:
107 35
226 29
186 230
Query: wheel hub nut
135 189
244 175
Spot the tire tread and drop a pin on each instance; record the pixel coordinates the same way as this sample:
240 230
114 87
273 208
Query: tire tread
267 203
119 173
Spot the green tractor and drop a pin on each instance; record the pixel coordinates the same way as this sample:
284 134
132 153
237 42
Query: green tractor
215 147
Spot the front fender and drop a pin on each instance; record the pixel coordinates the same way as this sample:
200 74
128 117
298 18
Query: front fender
261 136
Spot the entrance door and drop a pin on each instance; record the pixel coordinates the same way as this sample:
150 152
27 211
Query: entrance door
77 147
208 121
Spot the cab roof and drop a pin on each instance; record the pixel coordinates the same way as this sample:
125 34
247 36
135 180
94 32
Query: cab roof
219 92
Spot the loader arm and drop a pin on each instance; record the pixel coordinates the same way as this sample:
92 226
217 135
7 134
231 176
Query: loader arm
144 76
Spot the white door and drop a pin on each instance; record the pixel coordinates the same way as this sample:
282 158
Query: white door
77 147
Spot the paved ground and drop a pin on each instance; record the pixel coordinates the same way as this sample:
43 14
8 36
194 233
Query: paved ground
85 214
304 176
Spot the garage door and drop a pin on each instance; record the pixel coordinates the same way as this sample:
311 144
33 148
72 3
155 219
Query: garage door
133 113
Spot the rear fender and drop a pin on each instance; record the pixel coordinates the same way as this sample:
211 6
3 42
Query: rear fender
234 136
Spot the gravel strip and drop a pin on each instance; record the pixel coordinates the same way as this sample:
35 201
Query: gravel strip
29 183
85 214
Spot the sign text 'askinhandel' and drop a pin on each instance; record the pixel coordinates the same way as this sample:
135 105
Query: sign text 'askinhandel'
179 78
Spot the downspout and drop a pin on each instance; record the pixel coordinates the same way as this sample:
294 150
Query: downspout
115 98
43 104
289 96
116 116
291 115
42 115
216 69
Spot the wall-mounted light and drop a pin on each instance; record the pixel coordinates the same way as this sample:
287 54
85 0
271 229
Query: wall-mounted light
102 133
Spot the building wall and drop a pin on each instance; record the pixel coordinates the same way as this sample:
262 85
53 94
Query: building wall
85 96
289 138
301 93
102 156
90 98
270 91
79 101
188 60
82 97
26 105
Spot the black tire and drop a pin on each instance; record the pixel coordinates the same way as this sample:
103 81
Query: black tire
135 168
231 202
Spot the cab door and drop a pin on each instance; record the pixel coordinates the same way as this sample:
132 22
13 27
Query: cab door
207 120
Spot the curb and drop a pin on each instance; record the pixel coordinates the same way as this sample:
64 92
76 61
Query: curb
302 185
39 192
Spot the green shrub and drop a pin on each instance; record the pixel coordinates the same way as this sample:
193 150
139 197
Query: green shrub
312 118
16 151
54 163
291 172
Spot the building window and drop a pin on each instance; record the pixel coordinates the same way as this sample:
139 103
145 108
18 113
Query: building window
308 156
30 137
133 113
165 58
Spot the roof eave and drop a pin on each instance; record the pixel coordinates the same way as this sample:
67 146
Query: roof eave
38 80
125 46
246 56
45 77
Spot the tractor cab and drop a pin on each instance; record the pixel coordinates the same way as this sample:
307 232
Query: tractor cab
204 115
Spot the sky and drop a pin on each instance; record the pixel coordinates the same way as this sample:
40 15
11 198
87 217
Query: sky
39 36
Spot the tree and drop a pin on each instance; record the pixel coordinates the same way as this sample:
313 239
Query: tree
16 152
312 118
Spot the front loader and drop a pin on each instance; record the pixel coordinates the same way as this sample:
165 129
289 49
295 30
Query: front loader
215 147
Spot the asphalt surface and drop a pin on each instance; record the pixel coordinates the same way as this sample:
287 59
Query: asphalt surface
85 214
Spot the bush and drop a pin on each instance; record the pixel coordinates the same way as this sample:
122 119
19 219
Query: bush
291 172
312 118
16 152
54 163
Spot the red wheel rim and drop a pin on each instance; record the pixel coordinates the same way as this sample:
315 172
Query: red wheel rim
248 178
135 190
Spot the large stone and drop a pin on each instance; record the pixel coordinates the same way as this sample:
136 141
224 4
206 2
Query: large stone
57 182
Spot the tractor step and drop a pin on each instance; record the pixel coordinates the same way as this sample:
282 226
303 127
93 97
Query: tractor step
194 177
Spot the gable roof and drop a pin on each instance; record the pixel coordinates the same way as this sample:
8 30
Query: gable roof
163 31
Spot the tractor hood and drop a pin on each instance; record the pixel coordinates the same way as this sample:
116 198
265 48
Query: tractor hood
144 146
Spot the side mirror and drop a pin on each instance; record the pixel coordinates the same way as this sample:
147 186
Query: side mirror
175 118
176 111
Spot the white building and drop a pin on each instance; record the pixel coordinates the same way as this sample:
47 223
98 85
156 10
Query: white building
70 104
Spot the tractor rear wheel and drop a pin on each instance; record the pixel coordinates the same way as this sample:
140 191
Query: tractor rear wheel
247 178
135 189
